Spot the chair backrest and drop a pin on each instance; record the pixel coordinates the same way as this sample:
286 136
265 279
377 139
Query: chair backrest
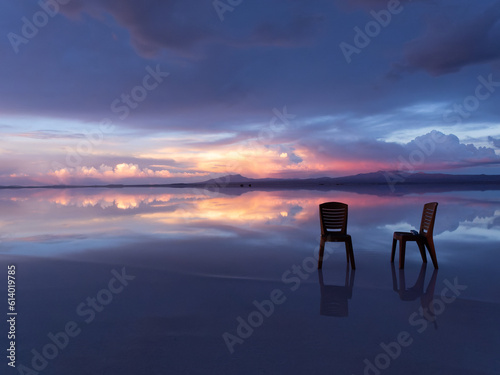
428 218
333 217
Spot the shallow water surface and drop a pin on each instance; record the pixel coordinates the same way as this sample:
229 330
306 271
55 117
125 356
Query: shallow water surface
157 281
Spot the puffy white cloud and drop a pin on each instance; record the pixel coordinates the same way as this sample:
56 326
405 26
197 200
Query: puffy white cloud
119 172
447 150
431 151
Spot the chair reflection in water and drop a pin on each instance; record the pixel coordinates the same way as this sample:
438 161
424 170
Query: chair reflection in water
334 298
423 237
333 220
417 290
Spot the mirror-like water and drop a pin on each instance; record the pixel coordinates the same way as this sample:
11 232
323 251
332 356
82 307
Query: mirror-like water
203 263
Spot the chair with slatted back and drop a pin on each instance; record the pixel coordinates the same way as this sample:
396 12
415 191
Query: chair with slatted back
333 219
423 237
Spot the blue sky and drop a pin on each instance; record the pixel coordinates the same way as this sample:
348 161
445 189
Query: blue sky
127 91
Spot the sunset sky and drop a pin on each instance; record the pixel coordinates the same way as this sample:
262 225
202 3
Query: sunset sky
128 91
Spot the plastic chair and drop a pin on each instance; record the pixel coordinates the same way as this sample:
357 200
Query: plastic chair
333 219
423 237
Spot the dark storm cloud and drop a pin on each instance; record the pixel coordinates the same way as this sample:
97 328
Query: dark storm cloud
450 44
84 62
182 25
153 24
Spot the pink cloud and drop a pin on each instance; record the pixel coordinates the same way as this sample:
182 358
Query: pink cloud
107 173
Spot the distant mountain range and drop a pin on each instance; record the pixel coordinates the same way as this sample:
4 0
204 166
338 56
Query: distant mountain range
382 182
379 183
376 178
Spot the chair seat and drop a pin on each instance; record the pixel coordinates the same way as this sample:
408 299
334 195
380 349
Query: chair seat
336 237
408 236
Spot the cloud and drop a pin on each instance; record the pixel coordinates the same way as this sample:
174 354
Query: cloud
287 152
182 26
152 24
104 199
450 45
431 151
494 141
329 155
226 78
446 151
120 172
264 54
49 134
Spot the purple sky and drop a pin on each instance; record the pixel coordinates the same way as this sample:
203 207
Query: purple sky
180 90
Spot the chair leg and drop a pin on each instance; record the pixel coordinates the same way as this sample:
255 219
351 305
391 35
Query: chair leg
432 252
321 251
402 248
421 247
394 242
350 253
